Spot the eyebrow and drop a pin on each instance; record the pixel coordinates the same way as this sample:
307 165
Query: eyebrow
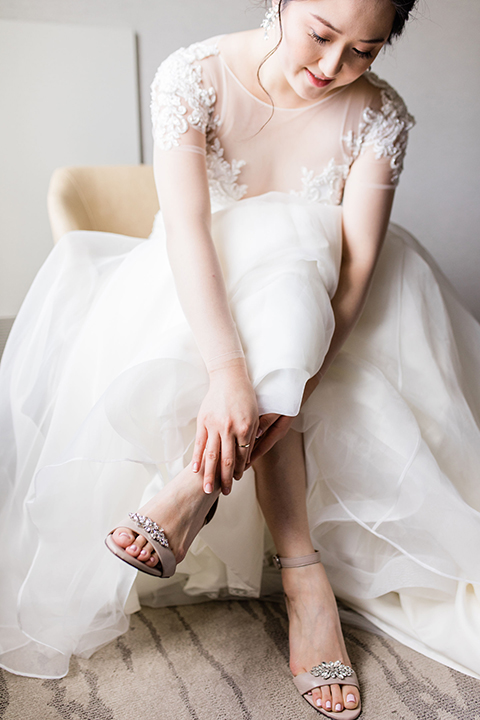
329 25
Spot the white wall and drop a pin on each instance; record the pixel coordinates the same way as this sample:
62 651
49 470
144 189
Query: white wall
51 76
436 67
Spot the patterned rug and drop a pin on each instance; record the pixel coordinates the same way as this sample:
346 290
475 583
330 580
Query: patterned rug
229 661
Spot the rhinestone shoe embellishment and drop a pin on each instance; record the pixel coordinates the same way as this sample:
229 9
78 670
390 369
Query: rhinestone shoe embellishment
150 527
332 670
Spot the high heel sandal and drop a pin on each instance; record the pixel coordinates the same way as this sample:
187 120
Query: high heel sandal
327 673
148 529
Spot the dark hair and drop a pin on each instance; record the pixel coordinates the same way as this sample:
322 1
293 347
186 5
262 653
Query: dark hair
403 8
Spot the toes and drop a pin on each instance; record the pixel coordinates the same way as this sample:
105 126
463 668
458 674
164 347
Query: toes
140 548
145 551
326 697
140 542
123 537
350 696
317 697
337 698
137 545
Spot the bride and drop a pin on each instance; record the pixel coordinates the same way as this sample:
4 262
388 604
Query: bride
142 378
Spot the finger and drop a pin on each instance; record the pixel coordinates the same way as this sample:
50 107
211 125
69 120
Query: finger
241 455
212 454
253 438
266 421
244 450
266 443
200 443
227 463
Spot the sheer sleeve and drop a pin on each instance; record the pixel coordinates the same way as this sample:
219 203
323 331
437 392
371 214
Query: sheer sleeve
381 142
183 107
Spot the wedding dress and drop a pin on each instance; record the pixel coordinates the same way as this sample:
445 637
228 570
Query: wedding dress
102 379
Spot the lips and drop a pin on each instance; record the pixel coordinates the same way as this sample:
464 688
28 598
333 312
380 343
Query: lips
318 81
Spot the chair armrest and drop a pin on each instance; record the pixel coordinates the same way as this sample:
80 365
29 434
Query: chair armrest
67 207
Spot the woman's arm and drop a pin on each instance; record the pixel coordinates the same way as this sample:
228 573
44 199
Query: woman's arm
366 212
229 414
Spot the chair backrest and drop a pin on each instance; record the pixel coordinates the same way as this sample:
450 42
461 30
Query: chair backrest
115 198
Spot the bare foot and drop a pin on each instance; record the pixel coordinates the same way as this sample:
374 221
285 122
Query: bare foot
180 509
315 633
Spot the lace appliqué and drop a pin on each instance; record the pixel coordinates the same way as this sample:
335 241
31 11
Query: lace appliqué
178 81
386 129
325 188
222 175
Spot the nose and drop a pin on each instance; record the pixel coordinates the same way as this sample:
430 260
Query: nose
331 61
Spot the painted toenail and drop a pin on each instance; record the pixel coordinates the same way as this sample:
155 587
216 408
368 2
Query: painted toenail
350 698
143 553
319 703
338 707
328 705
124 534
133 547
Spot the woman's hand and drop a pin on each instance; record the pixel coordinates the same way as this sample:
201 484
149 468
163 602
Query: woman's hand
271 429
228 419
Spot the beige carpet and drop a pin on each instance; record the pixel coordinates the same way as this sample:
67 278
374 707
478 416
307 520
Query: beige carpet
229 661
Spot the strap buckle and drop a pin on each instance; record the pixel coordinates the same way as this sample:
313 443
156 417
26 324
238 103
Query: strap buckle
277 562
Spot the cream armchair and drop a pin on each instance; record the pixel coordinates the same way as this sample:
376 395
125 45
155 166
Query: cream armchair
118 199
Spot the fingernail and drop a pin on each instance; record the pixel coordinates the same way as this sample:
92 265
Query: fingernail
259 433
350 698
195 467
226 491
338 707
319 703
208 488
328 705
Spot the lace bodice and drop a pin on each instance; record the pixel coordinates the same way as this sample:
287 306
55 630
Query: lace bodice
250 151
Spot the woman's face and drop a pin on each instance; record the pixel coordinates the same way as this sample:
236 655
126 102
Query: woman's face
329 43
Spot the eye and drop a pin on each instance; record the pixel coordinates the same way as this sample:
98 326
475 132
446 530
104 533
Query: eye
317 38
322 41
363 55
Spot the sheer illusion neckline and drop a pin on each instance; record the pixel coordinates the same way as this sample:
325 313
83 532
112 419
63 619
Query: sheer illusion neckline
268 105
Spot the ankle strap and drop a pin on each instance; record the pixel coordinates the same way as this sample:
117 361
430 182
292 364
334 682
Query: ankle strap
281 562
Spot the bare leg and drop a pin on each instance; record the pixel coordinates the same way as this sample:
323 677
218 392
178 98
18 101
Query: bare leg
315 633
180 509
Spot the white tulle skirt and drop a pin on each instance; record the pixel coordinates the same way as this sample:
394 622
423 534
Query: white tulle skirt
100 385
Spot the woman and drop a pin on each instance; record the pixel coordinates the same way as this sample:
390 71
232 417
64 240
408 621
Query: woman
130 363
